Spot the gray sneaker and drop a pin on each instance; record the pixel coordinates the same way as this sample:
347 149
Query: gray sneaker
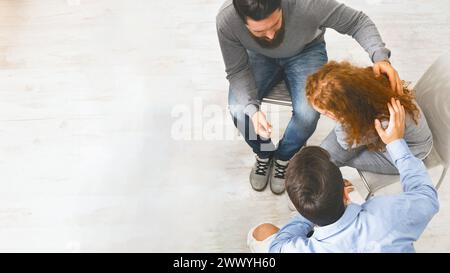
277 176
260 174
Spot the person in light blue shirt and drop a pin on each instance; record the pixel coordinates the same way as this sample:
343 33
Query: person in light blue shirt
326 224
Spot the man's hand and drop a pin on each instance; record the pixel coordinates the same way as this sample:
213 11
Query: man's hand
348 188
262 127
386 68
396 128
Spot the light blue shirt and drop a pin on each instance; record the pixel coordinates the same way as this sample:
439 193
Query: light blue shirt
382 224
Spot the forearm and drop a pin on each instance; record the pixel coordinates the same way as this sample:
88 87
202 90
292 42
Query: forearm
367 35
413 174
244 93
243 88
419 199
292 237
355 23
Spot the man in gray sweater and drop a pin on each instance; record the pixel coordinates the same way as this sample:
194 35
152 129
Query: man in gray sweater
266 41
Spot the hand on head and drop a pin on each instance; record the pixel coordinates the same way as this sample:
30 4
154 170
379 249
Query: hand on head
396 127
385 67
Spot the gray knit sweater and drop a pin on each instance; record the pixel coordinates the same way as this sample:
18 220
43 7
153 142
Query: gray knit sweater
305 24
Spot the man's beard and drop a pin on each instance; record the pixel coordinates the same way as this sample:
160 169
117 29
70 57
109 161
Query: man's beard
275 42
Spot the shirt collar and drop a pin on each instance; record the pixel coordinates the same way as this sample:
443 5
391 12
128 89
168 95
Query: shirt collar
350 214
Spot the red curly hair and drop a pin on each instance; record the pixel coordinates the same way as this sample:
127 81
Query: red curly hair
356 97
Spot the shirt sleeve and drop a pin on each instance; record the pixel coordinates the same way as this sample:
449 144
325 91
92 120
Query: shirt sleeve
355 23
242 82
419 195
293 236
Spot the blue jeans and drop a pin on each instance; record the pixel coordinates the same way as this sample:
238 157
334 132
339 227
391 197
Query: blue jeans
268 72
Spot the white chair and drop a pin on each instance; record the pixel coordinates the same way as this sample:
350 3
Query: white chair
279 95
433 96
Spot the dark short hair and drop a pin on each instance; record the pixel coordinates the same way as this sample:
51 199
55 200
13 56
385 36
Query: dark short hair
256 9
315 186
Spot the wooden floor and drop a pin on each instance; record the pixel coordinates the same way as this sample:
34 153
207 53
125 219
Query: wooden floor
90 93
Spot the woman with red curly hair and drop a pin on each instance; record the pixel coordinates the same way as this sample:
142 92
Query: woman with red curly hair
357 100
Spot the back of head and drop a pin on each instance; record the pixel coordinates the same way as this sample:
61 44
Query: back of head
356 97
256 9
315 186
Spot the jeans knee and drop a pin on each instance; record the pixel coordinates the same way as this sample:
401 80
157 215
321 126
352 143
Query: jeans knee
305 118
335 152
237 112
240 119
